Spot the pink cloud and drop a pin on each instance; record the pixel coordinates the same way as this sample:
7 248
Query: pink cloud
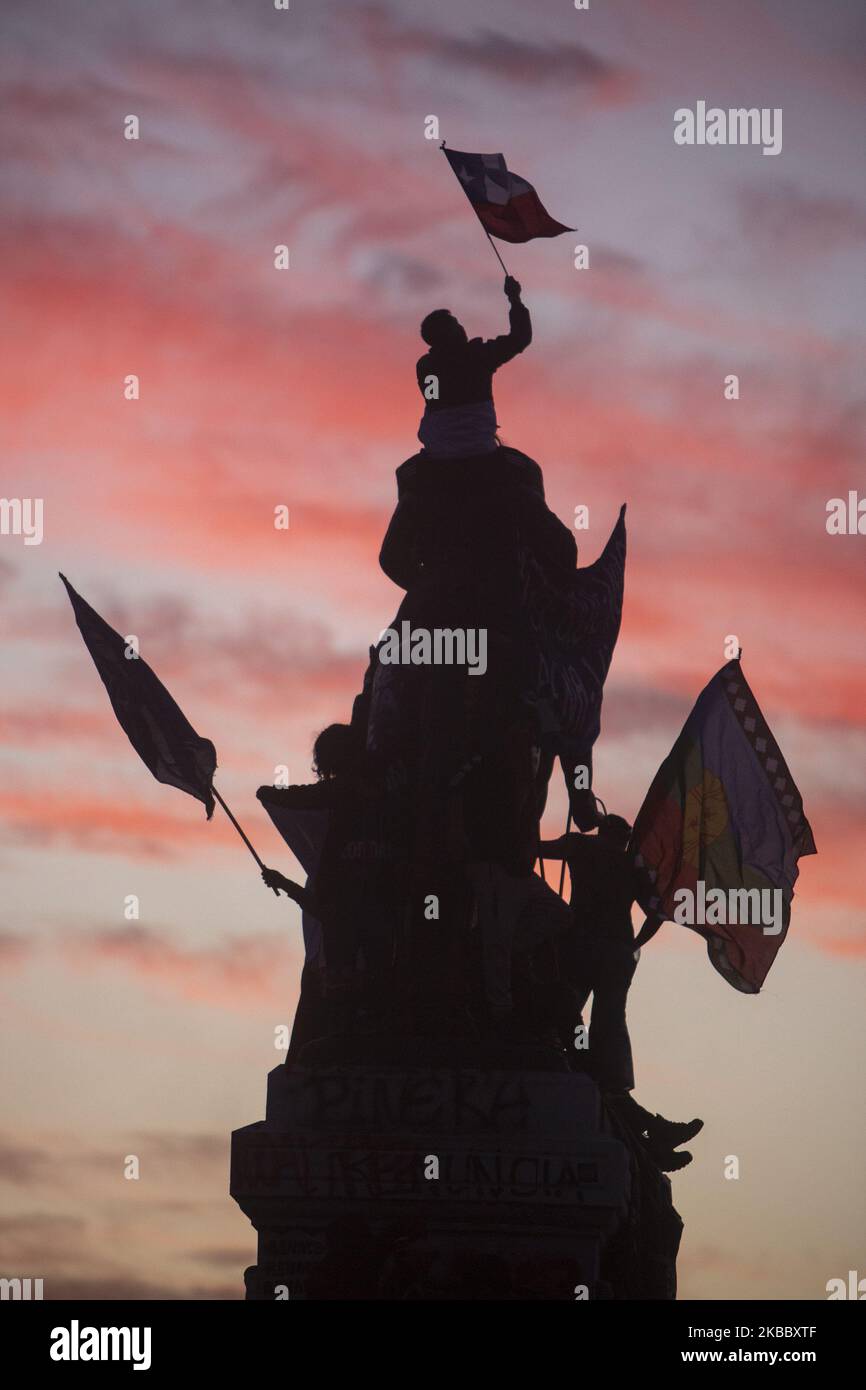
54 815
233 974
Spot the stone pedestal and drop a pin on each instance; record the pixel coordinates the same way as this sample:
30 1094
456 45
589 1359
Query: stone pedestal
389 1182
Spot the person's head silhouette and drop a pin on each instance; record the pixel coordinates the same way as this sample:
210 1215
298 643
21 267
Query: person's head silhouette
615 831
335 752
441 330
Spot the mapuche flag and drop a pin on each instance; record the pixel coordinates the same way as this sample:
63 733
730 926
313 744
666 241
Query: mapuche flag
724 812
156 727
507 206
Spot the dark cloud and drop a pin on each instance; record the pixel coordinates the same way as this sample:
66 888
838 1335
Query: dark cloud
230 973
521 61
628 708
492 53
62 120
15 948
24 1166
8 573
713 1257
234 1258
45 1162
34 1242
28 1224
194 1149
616 262
58 1250
110 1288
783 220
402 275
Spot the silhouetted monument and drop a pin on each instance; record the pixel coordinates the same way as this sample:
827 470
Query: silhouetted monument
438 1129
444 1125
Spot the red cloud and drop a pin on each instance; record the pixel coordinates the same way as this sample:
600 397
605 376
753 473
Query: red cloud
58 815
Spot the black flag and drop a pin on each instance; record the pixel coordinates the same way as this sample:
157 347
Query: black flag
157 728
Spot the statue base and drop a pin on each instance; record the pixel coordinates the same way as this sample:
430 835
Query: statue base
430 1182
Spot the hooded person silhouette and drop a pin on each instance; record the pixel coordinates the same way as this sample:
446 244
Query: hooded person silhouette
456 379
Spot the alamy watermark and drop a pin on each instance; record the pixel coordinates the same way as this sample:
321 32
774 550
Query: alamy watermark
846 518
758 907
438 646
22 1290
77 1343
737 126
22 516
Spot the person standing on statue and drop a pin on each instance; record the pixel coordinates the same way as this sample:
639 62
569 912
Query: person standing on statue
500 797
456 379
598 957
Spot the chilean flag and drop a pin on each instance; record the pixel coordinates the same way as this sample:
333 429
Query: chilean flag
507 206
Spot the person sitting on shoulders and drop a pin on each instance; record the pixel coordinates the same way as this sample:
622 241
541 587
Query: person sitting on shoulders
456 379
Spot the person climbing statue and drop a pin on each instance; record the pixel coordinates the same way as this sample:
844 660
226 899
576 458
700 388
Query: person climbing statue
338 830
598 957
303 814
456 379
355 891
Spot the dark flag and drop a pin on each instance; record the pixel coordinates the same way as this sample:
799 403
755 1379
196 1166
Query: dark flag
156 727
507 206
574 617
724 820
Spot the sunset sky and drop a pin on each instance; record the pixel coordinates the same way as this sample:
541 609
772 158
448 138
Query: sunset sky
261 388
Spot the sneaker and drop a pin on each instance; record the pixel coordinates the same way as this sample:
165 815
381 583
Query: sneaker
671 1161
669 1134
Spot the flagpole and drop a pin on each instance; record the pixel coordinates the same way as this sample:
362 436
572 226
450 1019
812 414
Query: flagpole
237 827
562 870
494 250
